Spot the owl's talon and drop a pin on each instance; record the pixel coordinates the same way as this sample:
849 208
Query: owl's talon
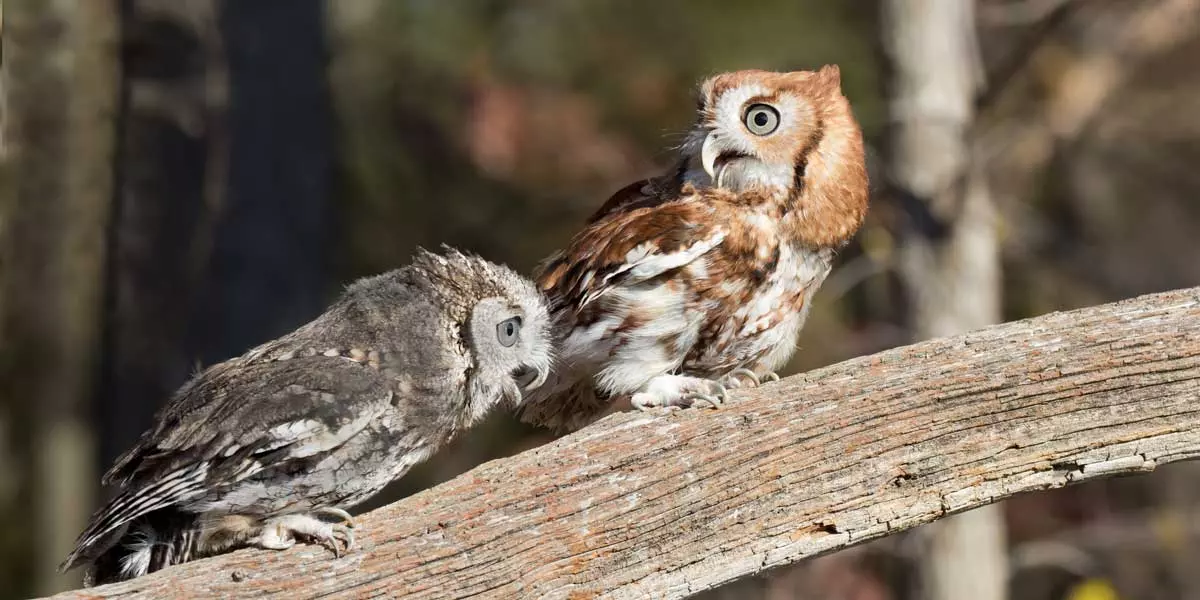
342 516
750 377
712 401
347 537
771 377
715 399
342 534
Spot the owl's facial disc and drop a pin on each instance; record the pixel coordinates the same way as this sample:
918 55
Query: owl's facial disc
746 140
736 170
754 128
512 341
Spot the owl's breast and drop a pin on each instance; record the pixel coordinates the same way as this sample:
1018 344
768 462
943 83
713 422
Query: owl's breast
754 319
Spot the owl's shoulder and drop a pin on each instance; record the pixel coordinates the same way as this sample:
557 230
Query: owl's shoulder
633 244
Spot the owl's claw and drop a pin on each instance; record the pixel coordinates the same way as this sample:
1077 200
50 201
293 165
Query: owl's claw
343 517
280 533
749 379
343 534
712 400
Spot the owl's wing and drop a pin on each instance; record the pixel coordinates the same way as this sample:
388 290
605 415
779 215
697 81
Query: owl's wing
235 420
637 194
627 247
644 193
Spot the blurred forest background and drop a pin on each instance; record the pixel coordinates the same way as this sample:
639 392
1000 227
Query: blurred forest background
182 179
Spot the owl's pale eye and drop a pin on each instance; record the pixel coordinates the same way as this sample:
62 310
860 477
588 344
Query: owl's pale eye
761 119
508 331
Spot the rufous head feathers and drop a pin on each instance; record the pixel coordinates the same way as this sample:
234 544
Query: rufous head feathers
791 136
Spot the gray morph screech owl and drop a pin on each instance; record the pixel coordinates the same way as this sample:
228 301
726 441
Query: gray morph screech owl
276 444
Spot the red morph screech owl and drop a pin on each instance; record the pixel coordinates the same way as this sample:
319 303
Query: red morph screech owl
701 278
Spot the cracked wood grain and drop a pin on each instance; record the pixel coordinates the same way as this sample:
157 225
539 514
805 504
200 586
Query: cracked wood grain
667 505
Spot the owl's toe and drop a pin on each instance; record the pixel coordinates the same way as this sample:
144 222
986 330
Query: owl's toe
677 391
645 401
275 536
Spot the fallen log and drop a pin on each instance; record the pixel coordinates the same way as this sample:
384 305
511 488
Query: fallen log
666 505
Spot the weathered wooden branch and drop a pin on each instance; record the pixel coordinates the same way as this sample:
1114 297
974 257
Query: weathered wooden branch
665 505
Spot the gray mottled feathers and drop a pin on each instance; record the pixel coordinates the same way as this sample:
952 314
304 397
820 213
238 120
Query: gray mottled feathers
330 413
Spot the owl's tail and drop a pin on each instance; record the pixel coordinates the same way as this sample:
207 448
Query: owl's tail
151 542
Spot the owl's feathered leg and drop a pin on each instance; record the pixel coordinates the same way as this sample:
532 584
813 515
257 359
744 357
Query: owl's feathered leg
679 391
280 533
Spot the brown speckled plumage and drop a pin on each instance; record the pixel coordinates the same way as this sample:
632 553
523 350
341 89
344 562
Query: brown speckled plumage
710 267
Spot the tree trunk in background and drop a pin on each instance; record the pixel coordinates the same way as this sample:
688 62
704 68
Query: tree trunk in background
952 271
169 186
60 74
219 236
271 245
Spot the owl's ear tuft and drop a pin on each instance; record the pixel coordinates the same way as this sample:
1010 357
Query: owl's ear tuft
831 76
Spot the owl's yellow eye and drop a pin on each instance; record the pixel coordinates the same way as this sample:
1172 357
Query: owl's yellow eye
761 119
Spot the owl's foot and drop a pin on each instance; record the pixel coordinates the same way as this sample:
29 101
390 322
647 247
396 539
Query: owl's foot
679 391
280 533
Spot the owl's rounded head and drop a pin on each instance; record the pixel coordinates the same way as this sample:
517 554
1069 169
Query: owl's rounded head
504 321
756 129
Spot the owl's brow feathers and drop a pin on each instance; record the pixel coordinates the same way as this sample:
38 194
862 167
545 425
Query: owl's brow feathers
458 282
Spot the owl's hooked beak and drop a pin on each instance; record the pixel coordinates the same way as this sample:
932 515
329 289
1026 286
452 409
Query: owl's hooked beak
529 377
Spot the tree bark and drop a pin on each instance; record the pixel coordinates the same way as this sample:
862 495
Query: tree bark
670 504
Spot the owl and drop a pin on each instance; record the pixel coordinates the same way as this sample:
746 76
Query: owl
699 280
275 445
